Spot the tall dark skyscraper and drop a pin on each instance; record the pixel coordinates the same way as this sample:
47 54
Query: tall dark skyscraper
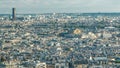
13 14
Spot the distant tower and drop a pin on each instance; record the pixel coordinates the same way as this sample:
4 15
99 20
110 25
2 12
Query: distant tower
13 14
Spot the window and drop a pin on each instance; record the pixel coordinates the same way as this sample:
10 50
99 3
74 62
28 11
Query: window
62 67
57 66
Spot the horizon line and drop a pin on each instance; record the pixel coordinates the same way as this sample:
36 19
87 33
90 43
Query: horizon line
62 12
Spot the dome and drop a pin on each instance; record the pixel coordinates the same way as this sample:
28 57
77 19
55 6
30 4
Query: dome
77 31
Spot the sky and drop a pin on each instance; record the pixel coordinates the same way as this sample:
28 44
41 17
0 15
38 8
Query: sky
59 6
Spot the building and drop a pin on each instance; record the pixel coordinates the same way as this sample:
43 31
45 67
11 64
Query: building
61 65
13 14
41 65
81 64
106 35
50 66
101 60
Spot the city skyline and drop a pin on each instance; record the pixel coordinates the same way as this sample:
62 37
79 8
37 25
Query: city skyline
59 6
59 34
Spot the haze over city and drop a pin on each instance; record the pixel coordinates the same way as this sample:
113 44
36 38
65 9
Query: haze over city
59 34
59 6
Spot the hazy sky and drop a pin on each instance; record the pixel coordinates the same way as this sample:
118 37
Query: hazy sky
46 6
